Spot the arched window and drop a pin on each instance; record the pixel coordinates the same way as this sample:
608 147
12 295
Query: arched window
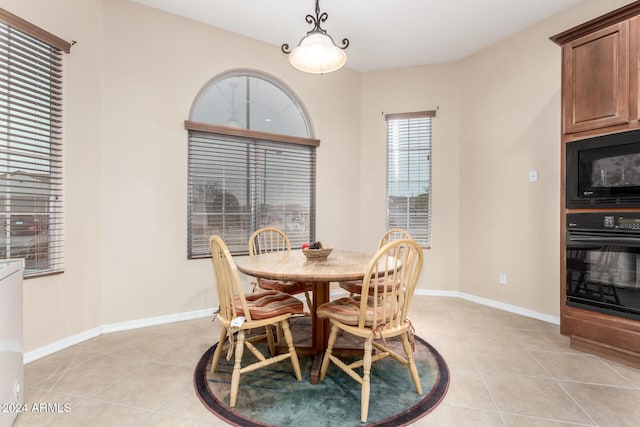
251 162
250 100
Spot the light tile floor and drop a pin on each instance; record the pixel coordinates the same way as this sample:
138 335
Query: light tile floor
506 370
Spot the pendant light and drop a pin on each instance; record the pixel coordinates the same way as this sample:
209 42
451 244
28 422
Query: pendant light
316 52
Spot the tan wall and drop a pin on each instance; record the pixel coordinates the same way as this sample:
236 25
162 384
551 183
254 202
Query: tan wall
62 305
499 118
129 84
511 125
151 78
407 90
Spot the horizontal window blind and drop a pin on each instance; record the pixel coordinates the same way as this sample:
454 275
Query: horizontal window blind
31 175
237 185
409 174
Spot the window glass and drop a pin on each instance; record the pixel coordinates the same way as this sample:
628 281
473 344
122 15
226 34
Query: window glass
251 101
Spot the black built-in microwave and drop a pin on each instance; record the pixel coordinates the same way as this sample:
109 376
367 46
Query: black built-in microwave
604 171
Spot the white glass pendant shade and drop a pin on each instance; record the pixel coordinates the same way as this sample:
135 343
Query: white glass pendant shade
317 53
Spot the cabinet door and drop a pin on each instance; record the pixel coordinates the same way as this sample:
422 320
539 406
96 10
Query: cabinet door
596 80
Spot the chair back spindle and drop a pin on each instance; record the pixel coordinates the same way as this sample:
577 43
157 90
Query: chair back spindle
268 239
394 234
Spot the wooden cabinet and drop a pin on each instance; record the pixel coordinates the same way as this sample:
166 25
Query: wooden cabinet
595 80
600 61
600 74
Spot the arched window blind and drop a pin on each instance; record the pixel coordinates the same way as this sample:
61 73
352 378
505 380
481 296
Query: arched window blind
31 178
409 173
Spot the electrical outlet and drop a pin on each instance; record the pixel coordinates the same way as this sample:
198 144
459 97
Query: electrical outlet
502 278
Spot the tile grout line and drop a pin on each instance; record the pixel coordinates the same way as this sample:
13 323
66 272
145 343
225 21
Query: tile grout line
609 364
576 402
495 405
631 385
557 381
533 417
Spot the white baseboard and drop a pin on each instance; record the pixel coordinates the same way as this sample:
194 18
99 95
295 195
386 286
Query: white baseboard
492 303
41 352
197 314
159 320
56 346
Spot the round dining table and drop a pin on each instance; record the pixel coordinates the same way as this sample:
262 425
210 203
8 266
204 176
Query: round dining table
340 266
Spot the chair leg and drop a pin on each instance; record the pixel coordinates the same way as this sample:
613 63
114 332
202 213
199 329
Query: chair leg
366 382
279 335
413 369
218 352
235 377
325 360
270 340
292 350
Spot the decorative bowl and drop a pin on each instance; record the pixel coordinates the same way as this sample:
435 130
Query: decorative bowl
316 254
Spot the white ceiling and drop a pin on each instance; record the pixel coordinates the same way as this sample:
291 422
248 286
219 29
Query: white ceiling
383 34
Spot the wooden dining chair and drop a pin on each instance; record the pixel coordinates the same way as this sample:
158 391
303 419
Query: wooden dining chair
354 287
239 313
270 239
377 318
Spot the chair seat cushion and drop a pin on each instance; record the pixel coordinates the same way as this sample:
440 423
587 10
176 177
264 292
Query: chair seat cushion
355 287
291 288
263 305
346 310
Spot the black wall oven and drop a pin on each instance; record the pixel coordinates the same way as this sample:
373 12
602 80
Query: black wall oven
604 172
603 262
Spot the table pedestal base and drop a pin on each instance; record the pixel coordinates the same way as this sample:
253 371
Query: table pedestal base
314 376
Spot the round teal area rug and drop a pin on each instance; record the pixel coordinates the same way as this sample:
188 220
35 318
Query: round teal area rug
271 396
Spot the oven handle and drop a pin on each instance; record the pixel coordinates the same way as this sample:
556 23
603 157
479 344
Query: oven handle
573 240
